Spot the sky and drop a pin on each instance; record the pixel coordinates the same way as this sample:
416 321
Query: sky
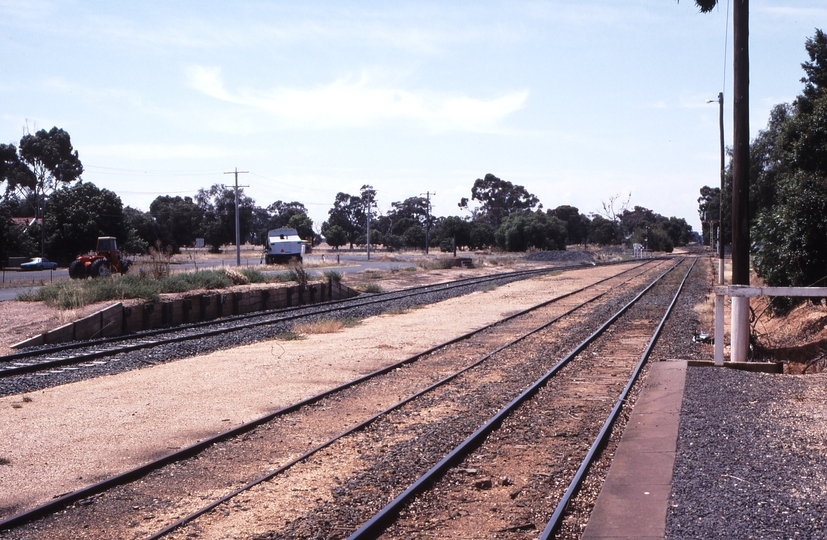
579 102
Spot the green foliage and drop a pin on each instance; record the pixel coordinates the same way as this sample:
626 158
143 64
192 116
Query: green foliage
72 294
577 224
333 275
788 175
790 238
77 215
709 204
523 230
414 236
335 236
655 238
392 241
454 228
303 225
43 162
300 275
349 214
201 279
13 239
603 232
499 198
481 235
370 288
253 275
179 221
217 205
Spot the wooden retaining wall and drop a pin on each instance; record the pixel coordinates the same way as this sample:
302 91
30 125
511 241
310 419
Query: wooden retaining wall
118 319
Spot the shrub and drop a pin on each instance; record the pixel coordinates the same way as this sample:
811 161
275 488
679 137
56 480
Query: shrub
333 275
254 276
324 326
299 274
370 288
238 278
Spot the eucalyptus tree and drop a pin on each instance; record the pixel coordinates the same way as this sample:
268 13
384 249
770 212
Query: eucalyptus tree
44 161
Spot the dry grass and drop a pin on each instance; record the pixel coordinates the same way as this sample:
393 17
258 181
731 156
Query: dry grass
324 326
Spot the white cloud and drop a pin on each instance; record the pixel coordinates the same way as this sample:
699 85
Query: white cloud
359 103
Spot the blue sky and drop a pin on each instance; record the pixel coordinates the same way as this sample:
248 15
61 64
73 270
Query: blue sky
577 101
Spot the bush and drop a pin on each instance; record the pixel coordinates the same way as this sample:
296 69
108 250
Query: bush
333 275
523 230
254 276
370 288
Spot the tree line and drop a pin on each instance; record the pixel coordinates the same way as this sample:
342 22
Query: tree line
43 180
787 185
498 214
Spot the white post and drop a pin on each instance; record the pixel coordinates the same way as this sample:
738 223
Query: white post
719 329
739 331
720 271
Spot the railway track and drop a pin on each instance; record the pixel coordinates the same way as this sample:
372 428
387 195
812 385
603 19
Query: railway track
90 354
113 504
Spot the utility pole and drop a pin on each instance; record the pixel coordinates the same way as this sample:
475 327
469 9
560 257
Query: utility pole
236 172
427 219
368 204
367 212
740 179
721 195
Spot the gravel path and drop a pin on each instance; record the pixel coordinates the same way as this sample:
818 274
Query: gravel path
751 461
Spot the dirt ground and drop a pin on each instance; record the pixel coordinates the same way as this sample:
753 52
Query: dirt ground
63 438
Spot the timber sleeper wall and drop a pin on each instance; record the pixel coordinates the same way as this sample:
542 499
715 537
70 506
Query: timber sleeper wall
118 319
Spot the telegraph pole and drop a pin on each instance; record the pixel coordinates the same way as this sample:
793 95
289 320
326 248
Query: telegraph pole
721 194
427 219
236 172
368 228
740 179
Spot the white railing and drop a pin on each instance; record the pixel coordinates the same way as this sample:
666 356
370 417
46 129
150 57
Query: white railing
740 333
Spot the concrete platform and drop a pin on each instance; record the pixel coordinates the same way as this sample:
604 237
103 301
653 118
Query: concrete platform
634 498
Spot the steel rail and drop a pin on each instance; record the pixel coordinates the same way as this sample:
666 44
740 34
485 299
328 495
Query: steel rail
145 333
375 526
70 360
376 298
556 520
372 419
184 453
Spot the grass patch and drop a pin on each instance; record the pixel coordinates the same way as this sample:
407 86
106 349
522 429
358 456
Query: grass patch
324 326
26 399
333 275
74 294
409 269
489 288
253 275
281 277
369 288
289 336
4 461
350 322
397 310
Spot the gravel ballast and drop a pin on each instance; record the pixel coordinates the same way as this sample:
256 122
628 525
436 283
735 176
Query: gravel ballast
751 459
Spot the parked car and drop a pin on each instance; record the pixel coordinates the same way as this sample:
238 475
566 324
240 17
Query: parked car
39 263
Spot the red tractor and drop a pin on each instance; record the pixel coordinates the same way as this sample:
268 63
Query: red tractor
107 259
